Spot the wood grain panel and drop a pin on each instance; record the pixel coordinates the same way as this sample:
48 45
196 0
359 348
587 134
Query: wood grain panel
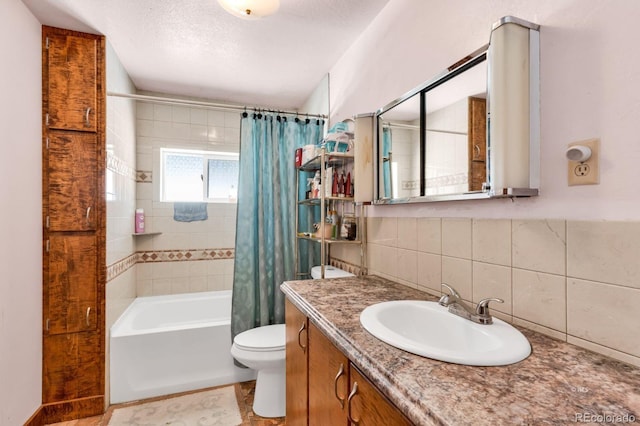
370 407
72 286
72 64
296 366
325 363
72 367
477 143
72 172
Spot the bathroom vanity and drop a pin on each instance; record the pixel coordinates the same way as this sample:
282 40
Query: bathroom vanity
337 371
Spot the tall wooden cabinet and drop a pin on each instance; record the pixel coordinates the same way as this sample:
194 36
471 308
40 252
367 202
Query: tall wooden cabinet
74 223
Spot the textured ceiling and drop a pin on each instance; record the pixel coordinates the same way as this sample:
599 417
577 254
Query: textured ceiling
195 48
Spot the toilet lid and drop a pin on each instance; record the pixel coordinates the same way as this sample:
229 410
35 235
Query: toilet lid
265 338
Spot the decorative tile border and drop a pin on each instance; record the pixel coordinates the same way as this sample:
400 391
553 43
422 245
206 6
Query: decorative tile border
119 166
123 265
183 255
144 176
346 266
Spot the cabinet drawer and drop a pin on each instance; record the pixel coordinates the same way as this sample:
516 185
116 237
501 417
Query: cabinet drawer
72 366
72 82
70 302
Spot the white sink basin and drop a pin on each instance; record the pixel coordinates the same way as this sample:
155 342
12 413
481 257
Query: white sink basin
430 330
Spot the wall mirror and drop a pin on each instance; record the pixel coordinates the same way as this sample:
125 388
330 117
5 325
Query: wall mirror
434 143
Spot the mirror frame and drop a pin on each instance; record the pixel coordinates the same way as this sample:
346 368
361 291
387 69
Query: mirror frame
512 163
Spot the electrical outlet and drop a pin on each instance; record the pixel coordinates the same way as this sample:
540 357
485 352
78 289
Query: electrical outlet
585 172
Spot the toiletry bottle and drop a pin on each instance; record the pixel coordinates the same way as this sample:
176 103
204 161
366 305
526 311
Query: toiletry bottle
341 185
347 186
334 186
139 222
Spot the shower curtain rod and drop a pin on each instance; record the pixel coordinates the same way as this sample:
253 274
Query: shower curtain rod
207 105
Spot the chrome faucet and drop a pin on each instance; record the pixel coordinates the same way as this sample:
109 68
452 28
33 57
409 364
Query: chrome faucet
456 306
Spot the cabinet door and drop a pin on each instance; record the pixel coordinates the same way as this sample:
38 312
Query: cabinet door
477 143
328 381
367 406
296 365
71 366
71 290
72 169
72 82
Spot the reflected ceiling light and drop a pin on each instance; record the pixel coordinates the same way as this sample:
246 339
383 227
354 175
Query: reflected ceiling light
250 9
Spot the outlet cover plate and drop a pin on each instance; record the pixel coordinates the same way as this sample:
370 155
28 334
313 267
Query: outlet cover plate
585 172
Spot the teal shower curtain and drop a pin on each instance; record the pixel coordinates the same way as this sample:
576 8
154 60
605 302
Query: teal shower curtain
265 225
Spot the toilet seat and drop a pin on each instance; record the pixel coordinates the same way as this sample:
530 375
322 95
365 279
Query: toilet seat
268 338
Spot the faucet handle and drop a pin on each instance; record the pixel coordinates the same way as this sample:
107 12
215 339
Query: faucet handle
445 300
483 306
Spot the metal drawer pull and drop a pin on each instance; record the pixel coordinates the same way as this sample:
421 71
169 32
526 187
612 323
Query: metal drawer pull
335 385
354 391
87 123
88 213
304 348
88 312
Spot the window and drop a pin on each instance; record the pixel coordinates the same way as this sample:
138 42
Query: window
188 175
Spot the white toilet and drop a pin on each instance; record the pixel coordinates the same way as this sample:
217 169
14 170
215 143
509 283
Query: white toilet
329 272
263 349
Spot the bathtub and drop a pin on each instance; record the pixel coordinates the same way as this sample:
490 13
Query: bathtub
167 344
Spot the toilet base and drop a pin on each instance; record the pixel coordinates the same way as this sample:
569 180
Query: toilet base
270 395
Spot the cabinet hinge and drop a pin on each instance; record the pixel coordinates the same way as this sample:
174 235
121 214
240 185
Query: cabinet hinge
47 143
46 43
46 246
46 119
46 325
46 222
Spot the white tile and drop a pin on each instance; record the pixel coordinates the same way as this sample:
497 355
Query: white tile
407 233
382 231
383 260
457 273
199 116
429 271
407 268
456 237
144 128
198 132
215 118
232 119
429 231
492 241
604 314
492 281
161 112
539 245
604 251
180 114
540 298
144 110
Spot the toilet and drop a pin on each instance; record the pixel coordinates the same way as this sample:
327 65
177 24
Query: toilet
329 272
263 349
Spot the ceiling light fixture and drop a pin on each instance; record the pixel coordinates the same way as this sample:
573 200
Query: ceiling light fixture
250 9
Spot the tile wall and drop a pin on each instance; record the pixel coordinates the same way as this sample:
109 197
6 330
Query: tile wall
179 260
578 281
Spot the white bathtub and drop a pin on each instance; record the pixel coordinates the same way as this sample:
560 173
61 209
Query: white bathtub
167 344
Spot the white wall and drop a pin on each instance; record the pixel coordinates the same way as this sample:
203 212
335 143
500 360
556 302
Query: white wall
590 82
21 225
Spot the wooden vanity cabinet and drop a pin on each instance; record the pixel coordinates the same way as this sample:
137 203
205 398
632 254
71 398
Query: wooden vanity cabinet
74 224
328 381
324 387
297 333
367 406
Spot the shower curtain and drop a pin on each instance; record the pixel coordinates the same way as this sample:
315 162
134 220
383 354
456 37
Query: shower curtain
265 225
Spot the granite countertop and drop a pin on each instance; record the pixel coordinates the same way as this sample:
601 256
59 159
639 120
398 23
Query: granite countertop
557 384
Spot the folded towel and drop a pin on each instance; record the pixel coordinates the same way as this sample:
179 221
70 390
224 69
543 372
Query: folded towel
189 212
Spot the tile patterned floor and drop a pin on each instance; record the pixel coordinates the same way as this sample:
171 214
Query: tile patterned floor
244 395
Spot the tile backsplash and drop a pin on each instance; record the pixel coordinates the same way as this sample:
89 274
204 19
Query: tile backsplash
578 281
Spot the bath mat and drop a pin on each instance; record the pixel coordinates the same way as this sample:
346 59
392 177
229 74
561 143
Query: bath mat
213 407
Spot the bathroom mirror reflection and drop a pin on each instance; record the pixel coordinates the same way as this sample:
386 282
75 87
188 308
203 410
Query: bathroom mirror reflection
432 141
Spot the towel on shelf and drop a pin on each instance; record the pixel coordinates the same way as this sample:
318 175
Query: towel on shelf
189 212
